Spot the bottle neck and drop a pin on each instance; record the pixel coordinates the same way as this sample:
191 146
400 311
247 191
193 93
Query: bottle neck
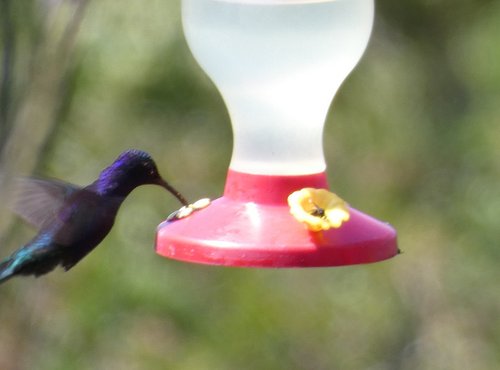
269 189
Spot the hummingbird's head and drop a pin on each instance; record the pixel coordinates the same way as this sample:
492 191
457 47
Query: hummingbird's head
131 169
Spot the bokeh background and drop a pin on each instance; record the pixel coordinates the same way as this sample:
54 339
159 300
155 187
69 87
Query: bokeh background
413 137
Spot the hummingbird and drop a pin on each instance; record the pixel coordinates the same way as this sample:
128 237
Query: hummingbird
73 220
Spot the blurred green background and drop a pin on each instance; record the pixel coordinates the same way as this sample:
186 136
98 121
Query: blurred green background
413 137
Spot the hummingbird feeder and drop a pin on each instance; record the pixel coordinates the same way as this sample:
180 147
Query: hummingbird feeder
277 64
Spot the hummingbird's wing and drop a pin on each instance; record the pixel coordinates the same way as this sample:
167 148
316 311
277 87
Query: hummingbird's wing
37 201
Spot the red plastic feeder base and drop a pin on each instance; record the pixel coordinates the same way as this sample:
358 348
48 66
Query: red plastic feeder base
251 226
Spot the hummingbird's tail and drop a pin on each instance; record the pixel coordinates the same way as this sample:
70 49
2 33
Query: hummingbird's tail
6 270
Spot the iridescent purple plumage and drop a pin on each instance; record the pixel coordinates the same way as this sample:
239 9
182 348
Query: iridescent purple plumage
74 220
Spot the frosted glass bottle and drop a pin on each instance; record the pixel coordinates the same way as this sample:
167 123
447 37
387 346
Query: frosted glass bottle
277 64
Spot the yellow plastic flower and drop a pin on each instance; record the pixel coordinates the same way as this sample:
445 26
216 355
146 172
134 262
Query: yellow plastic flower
318 209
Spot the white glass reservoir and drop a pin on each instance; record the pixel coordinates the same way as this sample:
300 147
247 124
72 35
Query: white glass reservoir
277 64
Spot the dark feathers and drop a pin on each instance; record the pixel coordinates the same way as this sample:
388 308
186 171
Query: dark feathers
73 220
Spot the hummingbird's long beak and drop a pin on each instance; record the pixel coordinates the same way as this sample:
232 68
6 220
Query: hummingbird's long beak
171 189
